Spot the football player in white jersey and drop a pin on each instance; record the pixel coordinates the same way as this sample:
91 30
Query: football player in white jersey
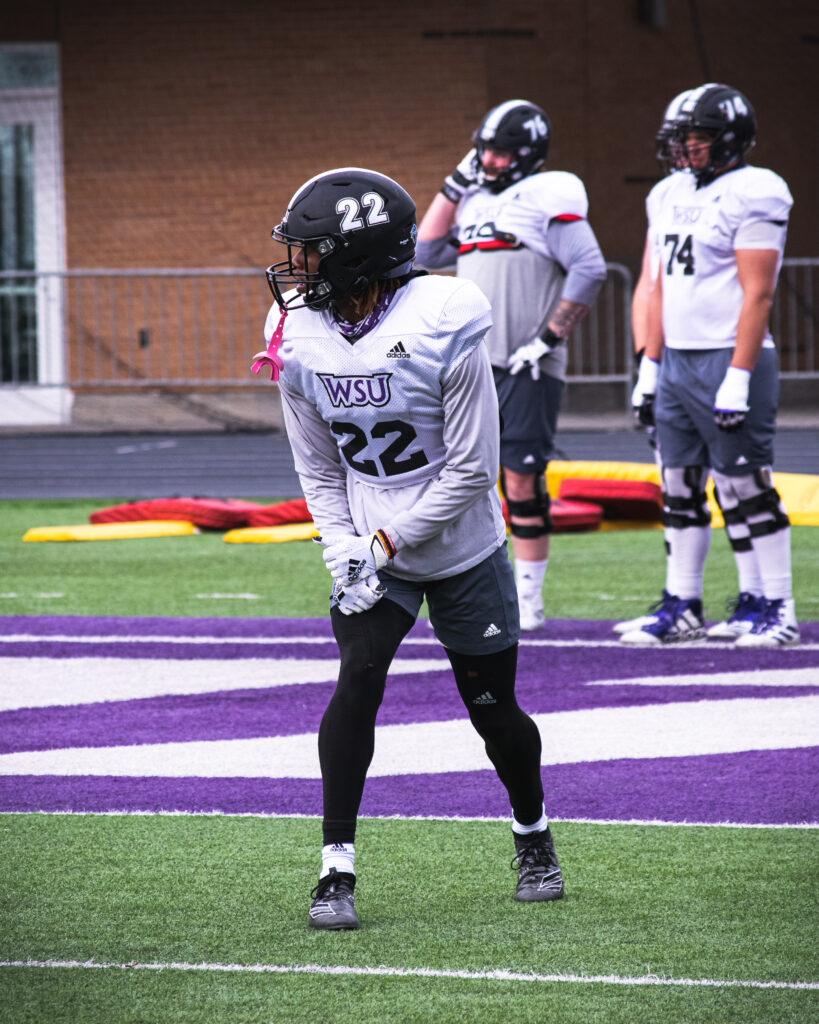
717 236
522 236
392 416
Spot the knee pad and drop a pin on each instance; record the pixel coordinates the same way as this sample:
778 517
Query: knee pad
538 505
751 507
684 502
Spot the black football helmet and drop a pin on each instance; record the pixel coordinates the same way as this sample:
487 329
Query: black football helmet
670 152
517 127
728 116
362 225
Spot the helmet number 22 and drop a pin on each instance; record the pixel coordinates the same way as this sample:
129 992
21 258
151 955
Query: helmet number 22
351 208
680 253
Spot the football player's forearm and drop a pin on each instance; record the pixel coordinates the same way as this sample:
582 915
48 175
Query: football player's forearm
751 329
566 316
438 219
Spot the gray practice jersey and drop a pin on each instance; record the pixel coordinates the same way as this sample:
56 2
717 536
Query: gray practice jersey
400 429
520 246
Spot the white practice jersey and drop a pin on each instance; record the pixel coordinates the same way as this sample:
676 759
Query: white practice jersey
693 236
399 430
502 247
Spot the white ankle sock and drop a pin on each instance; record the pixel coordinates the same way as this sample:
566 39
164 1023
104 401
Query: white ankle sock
340 856
526 830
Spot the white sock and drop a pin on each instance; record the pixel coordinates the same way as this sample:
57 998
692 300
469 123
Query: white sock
529 579
750 581
689 548
774 557
340 856
526 830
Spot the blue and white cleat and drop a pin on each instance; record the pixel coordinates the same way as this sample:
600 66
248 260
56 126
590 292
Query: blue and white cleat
744 610
677 620
775 627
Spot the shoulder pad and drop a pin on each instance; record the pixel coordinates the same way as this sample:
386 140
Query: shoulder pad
559 194
760 194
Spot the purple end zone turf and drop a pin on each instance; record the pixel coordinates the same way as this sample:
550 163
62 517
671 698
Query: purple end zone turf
760 786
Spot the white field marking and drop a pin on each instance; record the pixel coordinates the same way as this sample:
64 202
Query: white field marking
456 818
228 597
419 972
49 682
431 641
46 682
597 734
750 677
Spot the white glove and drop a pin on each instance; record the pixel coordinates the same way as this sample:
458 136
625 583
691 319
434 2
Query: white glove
642 397
463 177
350 558
529 355
357 597
731 401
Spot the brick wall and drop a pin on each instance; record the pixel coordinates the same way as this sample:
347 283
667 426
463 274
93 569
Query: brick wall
187 124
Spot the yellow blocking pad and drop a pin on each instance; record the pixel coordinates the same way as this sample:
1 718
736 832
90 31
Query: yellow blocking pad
799 491
112 531
271 534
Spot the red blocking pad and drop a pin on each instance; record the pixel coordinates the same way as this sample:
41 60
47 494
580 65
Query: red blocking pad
619 499
281 513
210 513
570 516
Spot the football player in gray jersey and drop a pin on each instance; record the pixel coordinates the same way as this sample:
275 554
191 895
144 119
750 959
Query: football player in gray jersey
522 236
392 416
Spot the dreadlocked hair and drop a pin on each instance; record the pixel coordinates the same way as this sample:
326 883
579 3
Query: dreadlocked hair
366 302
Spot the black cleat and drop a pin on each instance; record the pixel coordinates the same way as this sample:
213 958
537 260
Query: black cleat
333 906
539 878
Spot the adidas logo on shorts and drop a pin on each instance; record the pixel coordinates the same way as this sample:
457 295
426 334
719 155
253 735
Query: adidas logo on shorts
398 352
492 630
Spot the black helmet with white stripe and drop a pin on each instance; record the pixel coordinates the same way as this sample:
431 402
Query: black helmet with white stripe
359 222
725 114
519 128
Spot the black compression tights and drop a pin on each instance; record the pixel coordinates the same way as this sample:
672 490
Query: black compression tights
367 645
511 738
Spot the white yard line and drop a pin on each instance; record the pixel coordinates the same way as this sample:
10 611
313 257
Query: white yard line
419 972
457 818
27 638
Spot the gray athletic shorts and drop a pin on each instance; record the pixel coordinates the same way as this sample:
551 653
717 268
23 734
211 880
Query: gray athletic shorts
684 409
529 410
475 612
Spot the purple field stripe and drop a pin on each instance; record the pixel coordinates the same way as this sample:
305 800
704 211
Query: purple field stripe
244 714
112 626
289 710
708 789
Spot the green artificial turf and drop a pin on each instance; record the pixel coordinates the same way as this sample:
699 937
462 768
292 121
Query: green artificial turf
606 575
676 902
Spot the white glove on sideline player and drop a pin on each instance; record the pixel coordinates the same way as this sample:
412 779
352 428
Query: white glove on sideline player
531 353
350 558
358 597
731 401
642 397
464 176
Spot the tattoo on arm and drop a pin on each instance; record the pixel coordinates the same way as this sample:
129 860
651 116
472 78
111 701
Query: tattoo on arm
567 316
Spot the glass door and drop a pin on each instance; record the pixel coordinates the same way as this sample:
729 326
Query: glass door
32 248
